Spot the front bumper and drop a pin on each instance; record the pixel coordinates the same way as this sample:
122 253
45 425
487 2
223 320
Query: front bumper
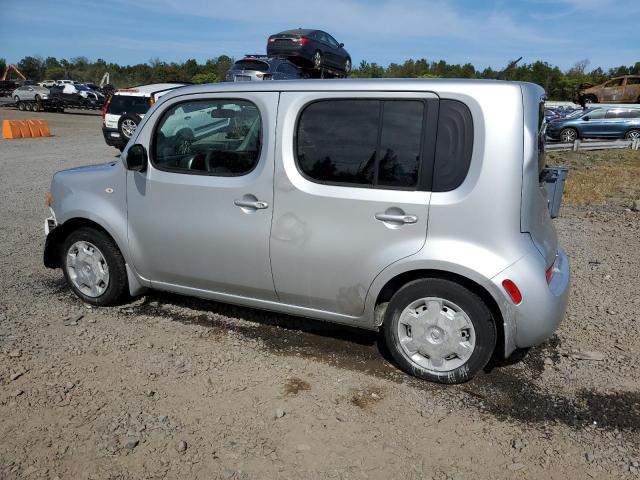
543 305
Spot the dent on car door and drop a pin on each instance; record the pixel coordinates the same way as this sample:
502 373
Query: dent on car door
348 194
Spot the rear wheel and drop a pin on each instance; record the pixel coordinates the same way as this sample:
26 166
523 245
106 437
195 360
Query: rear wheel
21 106
317 60
632 135
568 135
94 267
439 330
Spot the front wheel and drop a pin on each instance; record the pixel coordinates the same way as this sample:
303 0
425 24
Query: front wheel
347 66
632 135
439 330
568 135
94 267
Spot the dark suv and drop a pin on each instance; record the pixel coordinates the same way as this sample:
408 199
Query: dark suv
308 47
260 67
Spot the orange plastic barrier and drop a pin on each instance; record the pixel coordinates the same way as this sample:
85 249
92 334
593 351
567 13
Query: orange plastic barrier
25 128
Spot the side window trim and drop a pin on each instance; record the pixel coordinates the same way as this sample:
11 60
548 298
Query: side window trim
427 144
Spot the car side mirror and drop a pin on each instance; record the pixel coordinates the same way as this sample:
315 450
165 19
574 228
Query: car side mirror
341 45
136 158
586 118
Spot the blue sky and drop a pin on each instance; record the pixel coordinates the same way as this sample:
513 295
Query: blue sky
485 33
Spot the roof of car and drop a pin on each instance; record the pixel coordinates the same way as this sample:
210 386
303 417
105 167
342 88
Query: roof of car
369 84
144 90
298 31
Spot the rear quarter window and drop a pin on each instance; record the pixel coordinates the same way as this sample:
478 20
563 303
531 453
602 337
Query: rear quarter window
454 146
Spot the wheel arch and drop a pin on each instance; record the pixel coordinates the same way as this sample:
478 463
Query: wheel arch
57 236
401 279
55 241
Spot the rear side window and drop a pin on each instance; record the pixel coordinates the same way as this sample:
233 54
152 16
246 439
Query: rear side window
454 146
121 104
367 143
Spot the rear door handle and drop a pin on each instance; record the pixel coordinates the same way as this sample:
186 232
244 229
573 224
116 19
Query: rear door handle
257 204
387 217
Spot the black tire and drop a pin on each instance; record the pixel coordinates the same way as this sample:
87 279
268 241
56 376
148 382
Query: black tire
36 107
471 304
123 123
567 133
632 134
38 98
317 60
347 67
28 106
16 99
118 286
21 106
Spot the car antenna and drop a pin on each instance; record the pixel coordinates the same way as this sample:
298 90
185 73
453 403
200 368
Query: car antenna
511 65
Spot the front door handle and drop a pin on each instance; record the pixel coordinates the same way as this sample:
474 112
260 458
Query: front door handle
257 204
388 217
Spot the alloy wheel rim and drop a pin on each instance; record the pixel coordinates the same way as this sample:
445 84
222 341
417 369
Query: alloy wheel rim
128 127
436 334
317 60
568 136
87 269
635 135
347 66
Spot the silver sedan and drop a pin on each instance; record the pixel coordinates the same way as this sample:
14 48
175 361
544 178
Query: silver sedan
30 92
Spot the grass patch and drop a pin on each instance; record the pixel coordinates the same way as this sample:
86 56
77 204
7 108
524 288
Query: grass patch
600 176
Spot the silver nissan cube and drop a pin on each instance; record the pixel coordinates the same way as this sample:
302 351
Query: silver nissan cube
413 207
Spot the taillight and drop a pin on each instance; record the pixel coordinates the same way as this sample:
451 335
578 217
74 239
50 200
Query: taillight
271 40
549 272
513 291
302 40
104 109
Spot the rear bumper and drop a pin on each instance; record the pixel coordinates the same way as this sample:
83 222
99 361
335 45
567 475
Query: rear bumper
543 305
112 138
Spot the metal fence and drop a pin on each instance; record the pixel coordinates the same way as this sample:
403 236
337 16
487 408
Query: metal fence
579 145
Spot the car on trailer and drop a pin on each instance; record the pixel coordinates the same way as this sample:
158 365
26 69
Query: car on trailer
310 48
262 67
30 93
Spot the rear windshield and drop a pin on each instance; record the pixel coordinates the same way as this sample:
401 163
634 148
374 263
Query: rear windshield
250 65
121 104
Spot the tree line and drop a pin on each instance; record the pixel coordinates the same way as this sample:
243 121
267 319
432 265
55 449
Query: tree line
559 84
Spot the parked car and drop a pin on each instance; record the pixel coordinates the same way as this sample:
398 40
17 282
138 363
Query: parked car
310 48
312 199
65 82
123 110
625 89
551 114
30 92
47 83
71 96
597 122
253 67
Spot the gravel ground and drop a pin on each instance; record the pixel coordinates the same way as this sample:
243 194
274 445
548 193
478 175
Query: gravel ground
174 387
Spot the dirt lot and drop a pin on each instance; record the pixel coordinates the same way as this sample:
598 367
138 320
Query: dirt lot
173 387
